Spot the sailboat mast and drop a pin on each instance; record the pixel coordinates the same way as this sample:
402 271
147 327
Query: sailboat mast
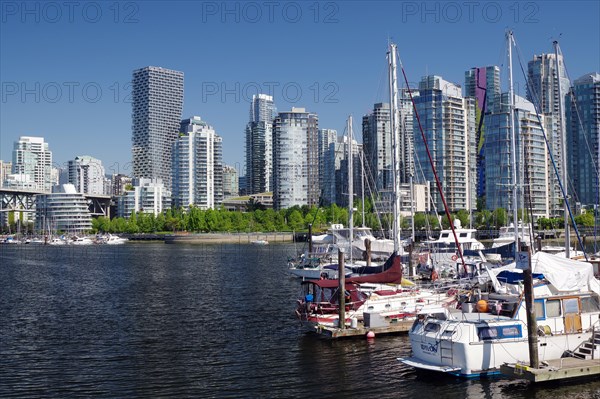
395 144
362 183
563 138
350 190
513 140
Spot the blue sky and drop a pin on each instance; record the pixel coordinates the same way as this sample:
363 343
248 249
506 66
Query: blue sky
65 66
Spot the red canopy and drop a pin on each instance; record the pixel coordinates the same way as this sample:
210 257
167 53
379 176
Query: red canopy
391 275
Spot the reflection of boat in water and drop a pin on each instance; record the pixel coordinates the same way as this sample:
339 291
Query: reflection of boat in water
472 342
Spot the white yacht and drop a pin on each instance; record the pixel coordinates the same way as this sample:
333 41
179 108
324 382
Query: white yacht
443 252
473 342
507 235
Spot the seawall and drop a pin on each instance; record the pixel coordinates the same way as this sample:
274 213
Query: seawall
227 238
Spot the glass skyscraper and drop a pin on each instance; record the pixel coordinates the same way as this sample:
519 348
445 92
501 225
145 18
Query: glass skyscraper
543 92
259 145
483 84
531 167
583 132
377 145
156 113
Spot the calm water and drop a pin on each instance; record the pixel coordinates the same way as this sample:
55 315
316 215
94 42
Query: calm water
156 320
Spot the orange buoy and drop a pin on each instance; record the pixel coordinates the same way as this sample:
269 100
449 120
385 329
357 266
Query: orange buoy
482 306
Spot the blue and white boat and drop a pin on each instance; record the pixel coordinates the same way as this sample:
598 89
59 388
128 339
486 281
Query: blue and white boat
474 342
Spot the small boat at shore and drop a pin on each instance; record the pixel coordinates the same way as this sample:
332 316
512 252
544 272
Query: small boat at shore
110 239
259 242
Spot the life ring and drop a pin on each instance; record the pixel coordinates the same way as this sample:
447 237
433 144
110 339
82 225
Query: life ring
454 257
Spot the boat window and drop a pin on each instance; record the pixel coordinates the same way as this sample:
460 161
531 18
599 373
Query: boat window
540 310
487 333
553 308
432 327
445 235
462 234
512 331
590 304
571 305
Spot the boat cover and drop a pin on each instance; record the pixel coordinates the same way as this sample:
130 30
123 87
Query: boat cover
565 275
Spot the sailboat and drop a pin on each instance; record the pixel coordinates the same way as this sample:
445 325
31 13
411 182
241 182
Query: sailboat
380 293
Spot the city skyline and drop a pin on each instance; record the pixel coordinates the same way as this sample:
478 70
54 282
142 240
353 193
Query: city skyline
78 94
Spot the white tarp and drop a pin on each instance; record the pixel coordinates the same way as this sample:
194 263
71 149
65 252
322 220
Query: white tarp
564 274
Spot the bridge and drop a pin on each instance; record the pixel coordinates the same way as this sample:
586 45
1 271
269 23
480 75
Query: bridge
23 200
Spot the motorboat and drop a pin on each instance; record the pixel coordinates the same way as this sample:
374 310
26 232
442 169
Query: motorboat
492 329
443 253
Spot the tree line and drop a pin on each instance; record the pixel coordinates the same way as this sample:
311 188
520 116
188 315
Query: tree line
256 218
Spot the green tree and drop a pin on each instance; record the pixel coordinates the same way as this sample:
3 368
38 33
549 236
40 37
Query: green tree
132 226
499 217
464 217
295 220
585 219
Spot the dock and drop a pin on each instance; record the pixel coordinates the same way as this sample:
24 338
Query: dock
394 327
554 370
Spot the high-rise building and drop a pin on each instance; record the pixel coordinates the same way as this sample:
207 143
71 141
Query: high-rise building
120 183
448 121
483 84
406 136
230 182
543 92
377 145
147 195
295 159
262 108
531 159
5 170
197 166
157 105
32 157
583 132
326 138
259 145
86 173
